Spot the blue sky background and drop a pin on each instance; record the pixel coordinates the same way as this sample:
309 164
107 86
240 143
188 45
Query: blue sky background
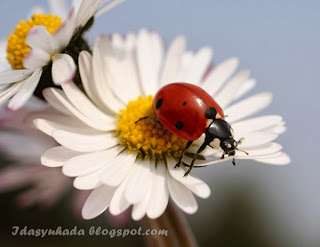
279 42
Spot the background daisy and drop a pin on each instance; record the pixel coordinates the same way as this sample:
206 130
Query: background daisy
44 40
21 146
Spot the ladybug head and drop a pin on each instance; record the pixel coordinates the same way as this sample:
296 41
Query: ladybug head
221 129
229 145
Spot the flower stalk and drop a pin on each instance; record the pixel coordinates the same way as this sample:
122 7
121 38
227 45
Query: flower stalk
179 231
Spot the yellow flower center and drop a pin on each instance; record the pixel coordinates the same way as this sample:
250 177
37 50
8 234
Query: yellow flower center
148 137
17 48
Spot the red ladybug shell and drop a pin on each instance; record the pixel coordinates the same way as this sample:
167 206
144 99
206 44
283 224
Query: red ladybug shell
181 108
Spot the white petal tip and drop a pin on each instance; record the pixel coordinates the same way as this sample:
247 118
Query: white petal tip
87 215
190 210
284 159
63 69
203 191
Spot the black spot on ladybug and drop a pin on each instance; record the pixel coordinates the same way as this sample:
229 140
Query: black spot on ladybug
179 125
211 113
159 103
184 103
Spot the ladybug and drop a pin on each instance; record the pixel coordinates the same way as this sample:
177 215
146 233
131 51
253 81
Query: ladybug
188 111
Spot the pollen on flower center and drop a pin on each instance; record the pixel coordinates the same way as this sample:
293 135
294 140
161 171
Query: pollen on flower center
17 48
148 137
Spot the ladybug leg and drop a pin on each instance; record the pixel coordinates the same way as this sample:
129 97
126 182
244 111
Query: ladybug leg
148 117
222 156
234 162
202 147
181 156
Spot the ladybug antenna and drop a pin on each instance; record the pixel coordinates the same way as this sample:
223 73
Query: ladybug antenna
233 160
242 151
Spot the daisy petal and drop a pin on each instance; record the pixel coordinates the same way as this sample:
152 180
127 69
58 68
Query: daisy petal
9 91
87 76
186 61
63 35
139 181
86 11
257 138
36 59
266 156
278 129
85 68
85 106
283 159
90 162
193 183
251 105
88 181
181 195
119 59
118 169
85 143
63 69
57 156
225 96
108 7
245 87
99 125
256 124
219 75
264 149
197 68
58 7
160 193
39 38
4 64
97 202
19 176
54 102
140 209
14 75
173 61
26 91
101 86
47 125
149 55
119 202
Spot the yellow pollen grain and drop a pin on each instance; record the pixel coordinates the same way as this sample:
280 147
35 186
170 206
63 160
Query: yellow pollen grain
151 139
17 49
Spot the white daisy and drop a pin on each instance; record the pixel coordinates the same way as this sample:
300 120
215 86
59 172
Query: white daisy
102 146
42 40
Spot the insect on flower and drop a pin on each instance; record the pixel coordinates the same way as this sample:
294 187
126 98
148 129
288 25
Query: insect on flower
188 111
